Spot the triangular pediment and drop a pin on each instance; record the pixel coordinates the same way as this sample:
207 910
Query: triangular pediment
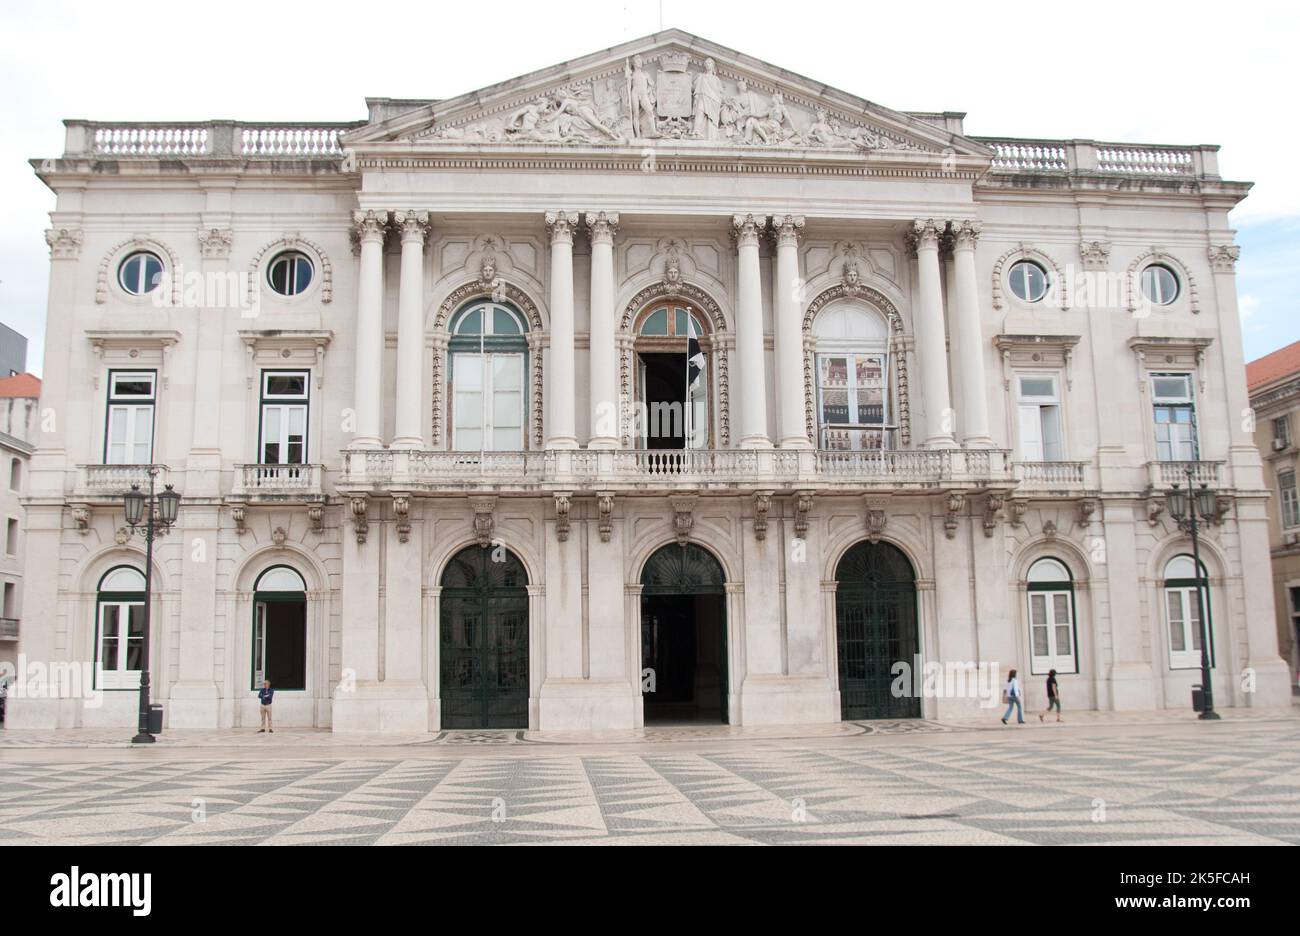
670 88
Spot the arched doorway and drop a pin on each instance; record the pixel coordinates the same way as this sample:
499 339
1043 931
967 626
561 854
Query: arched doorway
684 636
673 346
484 640
280 630
875 626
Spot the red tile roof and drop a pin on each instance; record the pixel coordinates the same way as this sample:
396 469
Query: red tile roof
20 385
1281 363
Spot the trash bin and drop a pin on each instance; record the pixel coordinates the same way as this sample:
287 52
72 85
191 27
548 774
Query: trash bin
1198 699
155 719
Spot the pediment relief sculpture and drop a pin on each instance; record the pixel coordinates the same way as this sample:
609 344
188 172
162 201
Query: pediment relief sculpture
669 96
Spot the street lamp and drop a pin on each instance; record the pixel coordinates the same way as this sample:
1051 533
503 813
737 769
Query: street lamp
1185 507
151 517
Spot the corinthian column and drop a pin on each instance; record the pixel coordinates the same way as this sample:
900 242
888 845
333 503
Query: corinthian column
788 306
931 340
970 337
409 426
603 362
370 228
749 329
561 431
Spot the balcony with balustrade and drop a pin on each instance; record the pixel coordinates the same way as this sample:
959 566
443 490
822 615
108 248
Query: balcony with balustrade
1089 157
278 483
670 470
107 483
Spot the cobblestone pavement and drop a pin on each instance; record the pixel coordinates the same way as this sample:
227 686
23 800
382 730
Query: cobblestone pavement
1154 780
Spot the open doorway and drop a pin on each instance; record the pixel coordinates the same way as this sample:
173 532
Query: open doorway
663 391
280 630
684 637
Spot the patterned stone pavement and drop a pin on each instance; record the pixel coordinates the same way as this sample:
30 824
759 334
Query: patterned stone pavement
1233 782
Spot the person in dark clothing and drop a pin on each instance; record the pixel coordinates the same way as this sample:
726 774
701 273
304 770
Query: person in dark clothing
1053 696
265 695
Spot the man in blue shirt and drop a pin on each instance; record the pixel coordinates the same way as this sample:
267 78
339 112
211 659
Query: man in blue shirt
265 695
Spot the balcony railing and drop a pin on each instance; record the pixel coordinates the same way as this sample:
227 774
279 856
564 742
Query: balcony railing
277 481
115 480
8 628
1035 157
212 139
673 468
1165 474
1052 475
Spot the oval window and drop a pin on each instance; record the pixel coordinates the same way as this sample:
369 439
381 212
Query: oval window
1028 281
290 273
140 273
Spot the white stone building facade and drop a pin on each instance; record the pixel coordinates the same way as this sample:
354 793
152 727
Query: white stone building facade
400 369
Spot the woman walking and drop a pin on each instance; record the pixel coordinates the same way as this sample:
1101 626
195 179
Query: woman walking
1011 693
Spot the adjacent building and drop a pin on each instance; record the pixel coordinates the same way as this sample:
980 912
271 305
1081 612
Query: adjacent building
1274 383
19 398
13 352
661 385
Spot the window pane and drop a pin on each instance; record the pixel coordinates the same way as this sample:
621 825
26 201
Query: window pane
471 323
680 326
1053 450
1194 620
286 385
656 323
468 372
142 435
507 409
1038 387
1171 388
507 371
503 323
108 640
505 439
132 385
1063 640
469 409
469 440
1038 610
1040 642
1174 603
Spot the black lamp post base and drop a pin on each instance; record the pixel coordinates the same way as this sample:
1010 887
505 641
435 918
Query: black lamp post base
145 738
1209 716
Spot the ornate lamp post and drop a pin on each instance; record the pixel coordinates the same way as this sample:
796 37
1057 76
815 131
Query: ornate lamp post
151 517
1185 507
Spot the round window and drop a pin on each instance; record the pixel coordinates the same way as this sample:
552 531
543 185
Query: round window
1028 281
140 273
1159 284
290 273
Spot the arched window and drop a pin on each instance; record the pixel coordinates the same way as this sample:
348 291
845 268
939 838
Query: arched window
1052 629
672 377
1182 613
119 629
853 374
488 358
280 630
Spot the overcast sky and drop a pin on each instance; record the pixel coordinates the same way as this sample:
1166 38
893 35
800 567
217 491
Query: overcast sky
1130 71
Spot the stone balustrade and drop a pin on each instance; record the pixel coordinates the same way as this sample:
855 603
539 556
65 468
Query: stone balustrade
214 139
116 480
1015 156
277 481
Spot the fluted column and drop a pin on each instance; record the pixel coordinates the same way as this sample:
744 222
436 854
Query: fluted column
788 305
931 340
970 337
409 425
561 431
370 227
603 364
749 328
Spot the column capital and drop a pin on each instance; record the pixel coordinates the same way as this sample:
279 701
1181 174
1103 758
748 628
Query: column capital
413 225
602 225
65 243
964 233
926 234
745 228
561 224
369 226
787 229
1223 257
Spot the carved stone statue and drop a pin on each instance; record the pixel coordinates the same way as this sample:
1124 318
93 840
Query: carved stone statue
739 114
822 133
776 127
641 93
707 97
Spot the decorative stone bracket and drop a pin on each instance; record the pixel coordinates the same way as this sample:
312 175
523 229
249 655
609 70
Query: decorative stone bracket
877 517
955 504
683 515
1087 507
762 504
605 503
1018 507
239 513
484 522
1155 507
360 524
563 501
402 514
316 514
803 501
81 515
992 511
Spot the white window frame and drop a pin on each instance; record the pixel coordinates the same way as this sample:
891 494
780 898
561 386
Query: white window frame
119 677
1028 297
487 392
1063 662
125 408
826 349
1282 423
285 405
1184 401
1287 499
1190 656
1038 403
